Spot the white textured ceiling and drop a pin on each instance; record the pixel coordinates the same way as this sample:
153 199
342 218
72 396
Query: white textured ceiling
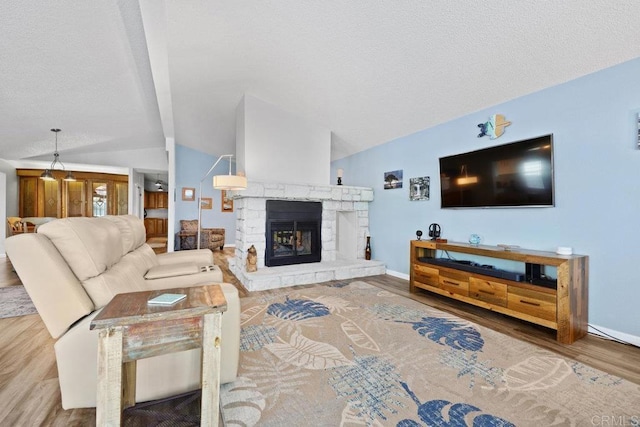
370 71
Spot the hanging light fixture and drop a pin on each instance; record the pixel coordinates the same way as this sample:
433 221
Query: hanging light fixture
47 175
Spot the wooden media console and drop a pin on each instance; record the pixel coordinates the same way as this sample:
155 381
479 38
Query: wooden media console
562 306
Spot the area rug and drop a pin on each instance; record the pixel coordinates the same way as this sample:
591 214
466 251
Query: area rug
352 354
14 301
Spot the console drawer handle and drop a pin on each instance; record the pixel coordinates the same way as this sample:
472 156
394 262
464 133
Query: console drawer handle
486 292
451 283
530 303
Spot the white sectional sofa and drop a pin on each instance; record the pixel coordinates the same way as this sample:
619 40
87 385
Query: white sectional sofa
72 267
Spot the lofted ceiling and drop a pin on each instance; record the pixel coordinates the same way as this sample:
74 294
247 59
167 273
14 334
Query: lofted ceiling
368 71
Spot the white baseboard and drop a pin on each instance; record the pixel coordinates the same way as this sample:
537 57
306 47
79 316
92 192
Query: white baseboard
631 339
398 274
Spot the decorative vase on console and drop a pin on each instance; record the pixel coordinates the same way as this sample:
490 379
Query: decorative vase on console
367 249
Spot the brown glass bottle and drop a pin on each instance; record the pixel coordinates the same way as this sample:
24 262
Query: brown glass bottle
367 249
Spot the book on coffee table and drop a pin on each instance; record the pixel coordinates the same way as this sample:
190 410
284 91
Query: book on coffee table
166 299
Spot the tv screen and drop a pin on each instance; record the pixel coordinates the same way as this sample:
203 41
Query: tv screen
519 174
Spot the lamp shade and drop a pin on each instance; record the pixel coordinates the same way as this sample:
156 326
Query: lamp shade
47 175
229 182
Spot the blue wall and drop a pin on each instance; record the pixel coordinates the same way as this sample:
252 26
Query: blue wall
191 165
597 186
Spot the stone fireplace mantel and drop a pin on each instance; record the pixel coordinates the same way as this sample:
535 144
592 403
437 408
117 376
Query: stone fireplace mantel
337 202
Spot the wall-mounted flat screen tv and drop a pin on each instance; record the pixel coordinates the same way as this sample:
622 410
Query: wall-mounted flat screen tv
519 174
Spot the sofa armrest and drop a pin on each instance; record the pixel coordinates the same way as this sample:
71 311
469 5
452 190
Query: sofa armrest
55 291
198 256
162 271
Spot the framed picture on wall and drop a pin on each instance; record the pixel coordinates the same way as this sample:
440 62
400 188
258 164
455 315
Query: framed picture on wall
393 180
226 204
188 194
206 203
419 188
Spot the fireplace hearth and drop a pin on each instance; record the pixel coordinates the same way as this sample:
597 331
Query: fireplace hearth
293 232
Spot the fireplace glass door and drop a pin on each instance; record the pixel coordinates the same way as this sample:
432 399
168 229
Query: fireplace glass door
293 232
293 242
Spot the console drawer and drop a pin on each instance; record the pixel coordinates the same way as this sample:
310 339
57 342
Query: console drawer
426 275
534 303
457 283
488 291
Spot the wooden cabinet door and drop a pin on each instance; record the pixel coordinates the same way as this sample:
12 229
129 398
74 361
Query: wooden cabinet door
75 200
28 196
162 200
150 200
150 226
49 204
121 198
156 200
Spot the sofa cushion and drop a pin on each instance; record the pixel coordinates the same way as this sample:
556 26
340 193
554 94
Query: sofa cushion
121 278
172 270
143 258
89 245
131 229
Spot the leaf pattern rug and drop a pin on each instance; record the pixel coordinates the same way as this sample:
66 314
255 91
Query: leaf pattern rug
352 354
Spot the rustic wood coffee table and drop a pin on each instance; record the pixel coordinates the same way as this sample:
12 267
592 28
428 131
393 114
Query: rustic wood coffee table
132 329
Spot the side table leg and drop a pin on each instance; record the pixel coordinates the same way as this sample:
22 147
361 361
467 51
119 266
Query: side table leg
210 406
109 394
129 371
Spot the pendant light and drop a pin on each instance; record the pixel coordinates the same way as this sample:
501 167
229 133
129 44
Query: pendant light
47 175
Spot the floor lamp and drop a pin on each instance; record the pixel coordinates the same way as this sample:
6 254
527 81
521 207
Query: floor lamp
220 182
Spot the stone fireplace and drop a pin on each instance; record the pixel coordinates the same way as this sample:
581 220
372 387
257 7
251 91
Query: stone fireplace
343 227
293 232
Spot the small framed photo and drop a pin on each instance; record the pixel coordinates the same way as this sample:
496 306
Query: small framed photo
393 180
206 203
188 194
226 204
419 188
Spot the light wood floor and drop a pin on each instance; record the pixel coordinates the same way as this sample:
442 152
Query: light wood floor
30 396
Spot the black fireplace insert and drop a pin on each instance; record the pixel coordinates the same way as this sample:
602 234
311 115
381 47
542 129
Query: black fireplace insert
293 232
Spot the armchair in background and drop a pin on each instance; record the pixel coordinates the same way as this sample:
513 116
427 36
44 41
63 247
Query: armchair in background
15 225
210 238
